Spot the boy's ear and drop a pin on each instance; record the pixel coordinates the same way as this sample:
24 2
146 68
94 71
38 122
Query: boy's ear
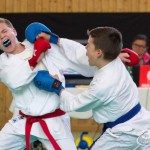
99 52
14 30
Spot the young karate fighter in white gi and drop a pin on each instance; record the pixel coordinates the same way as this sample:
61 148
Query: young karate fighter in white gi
112 95
37 108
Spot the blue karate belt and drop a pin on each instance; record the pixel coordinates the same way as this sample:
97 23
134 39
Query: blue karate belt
121 119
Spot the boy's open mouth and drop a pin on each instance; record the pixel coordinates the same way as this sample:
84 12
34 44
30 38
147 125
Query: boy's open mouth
6 43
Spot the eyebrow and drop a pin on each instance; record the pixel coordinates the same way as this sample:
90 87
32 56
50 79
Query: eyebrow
4 30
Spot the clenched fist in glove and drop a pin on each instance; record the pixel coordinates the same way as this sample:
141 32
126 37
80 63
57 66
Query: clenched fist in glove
133 57
40 46
44 81
34 29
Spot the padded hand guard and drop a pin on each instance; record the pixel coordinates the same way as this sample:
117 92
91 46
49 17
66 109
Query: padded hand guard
40 46
44 81
133 57
36 28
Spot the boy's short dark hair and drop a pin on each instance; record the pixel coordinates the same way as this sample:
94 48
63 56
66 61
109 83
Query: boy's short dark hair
108 39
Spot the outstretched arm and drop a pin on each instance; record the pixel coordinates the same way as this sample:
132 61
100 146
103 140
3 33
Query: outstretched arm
71 48
84 102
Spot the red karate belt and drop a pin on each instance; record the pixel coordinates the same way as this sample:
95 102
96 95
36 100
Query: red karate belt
32 119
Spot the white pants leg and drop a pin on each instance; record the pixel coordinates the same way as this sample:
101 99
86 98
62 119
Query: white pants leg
10 140
116 141
65 144
146 147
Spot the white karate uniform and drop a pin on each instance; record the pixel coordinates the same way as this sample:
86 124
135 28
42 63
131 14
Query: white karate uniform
111 94
17 75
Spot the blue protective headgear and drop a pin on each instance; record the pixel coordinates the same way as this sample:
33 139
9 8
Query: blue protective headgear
34 29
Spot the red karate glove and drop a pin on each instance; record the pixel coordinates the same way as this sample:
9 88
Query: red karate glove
40 46
133 57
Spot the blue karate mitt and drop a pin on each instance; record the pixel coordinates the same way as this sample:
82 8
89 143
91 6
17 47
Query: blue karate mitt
44 81
36 28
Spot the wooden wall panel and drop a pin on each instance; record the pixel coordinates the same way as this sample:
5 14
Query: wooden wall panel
142 5
23 5
104 5
38 5
90 6
76 6
82 6
112 6
9 6
16 6
86 125
28 6
60 5
68 4
5 101
46 6
53 5
2 6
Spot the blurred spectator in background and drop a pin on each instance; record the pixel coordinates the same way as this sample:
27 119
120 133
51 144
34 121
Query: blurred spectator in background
140 45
